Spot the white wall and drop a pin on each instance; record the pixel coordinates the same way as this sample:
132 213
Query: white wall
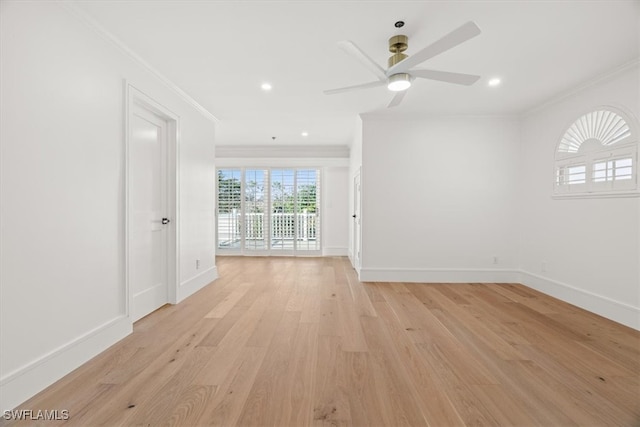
438 197
590 246
62 194
335 211
443 196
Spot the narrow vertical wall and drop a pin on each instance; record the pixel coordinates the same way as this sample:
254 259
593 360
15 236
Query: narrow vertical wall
335 212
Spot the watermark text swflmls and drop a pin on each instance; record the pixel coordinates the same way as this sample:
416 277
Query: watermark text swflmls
36 415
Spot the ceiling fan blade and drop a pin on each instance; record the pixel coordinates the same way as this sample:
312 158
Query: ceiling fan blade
446 76
355 87
397 99
350 48
451 40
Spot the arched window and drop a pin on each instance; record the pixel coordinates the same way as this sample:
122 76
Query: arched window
598 155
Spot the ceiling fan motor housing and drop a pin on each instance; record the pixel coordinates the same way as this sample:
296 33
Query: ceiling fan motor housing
397 45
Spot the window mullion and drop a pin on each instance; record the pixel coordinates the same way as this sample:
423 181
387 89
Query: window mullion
296 214
242 211
601 142
267 210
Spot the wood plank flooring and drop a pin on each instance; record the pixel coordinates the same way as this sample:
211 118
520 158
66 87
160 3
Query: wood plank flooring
300 342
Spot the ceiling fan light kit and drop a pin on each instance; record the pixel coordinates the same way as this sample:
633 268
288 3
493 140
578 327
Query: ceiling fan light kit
399 82
400 72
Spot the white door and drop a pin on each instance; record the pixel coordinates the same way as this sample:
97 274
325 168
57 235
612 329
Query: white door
356 222
148 209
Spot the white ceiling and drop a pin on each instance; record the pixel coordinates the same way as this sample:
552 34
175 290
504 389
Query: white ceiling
219 52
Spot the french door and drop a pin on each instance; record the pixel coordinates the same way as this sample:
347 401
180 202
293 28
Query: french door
269 211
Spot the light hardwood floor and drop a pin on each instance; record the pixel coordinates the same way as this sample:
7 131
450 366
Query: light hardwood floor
299 341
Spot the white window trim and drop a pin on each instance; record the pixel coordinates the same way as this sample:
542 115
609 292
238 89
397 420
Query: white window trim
590 189
243 249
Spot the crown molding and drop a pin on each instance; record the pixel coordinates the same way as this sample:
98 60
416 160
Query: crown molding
407 117
609 75
90 22
282 151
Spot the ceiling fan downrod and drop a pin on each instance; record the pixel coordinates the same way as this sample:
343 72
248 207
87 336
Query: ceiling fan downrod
397 45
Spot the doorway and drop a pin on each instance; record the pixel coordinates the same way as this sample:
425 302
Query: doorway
357 223
151 205
268 211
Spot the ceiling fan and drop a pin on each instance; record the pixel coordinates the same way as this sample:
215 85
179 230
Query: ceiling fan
400 72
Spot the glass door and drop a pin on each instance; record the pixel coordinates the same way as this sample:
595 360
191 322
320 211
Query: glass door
256 215
271 211
229 209
306 208
282 211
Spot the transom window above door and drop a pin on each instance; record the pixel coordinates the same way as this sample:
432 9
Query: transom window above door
268 211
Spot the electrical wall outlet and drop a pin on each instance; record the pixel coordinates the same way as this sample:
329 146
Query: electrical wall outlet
495 259
197 264
543 266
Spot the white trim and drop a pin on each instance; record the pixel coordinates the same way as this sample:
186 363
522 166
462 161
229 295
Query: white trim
606 307
609 75
627 148
596 195
243 250
282 151
35 376
281 254
439 275
386 115
147 301
108 36
609 308
619 109
355 224
136 96
274 162
335 251
197 282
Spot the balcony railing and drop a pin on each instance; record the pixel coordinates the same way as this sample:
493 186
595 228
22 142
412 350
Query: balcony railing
301 226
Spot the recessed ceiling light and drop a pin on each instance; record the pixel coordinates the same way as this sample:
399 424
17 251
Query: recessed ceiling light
266 86
305 133
495 82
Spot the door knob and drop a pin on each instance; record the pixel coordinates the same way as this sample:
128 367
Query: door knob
165 221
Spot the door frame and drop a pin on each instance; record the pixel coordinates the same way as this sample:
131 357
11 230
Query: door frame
134 97
357 221
295 252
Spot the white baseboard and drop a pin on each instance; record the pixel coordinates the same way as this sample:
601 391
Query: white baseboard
197 282
438 275
334 251
617 311
26 381
148 300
